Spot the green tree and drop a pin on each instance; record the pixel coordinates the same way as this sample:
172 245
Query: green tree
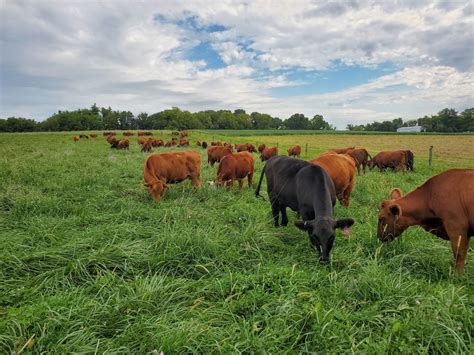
297 121
318 123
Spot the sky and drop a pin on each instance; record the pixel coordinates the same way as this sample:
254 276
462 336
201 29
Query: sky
351 61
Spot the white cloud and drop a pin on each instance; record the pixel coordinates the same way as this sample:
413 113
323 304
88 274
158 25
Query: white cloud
132 55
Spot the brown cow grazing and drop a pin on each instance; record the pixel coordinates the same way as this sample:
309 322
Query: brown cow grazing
183 142
167 168
144 133
198 143
395 160
183 134
443 206
216 153
251 148
361 158
267 153
241 147
229 145
93 135
216 143
75 138
261 147
128 134
341 150
142 141
110 138
121 144
341 169
147 147
105 134
236 166
204 145
157 142
84 136
294 151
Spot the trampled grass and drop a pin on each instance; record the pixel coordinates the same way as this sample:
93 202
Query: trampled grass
88 262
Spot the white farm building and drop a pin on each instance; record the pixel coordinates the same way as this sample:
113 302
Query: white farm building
410 129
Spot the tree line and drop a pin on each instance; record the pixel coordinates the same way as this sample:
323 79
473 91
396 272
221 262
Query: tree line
102 118
95 118
447 121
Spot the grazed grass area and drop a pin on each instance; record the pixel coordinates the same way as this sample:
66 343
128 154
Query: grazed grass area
90 263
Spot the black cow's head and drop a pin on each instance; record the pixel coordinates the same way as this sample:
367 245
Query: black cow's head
322 232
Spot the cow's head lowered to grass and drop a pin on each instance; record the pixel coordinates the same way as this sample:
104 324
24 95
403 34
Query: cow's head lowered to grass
391 222
322 232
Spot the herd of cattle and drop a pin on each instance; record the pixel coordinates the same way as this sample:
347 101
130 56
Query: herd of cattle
443 205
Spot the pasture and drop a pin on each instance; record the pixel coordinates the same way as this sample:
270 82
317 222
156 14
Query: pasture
90 263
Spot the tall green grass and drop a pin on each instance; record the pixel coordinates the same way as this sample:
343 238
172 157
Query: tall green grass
90 263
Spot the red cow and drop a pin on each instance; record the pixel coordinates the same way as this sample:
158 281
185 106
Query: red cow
395 160
235 166
267 153
443 206
167 168
216 153
294 151
261 147
341 169
147 147
183 142
361 158
75 138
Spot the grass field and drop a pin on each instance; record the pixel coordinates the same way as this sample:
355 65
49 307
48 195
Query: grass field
89 263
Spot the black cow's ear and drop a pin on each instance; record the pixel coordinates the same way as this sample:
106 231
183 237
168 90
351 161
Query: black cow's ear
303 225
395 210
344 223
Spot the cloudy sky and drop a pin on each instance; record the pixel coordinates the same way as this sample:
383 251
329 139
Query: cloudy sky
352 61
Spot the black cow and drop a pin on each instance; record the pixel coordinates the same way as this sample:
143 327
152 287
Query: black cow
410 159
308 190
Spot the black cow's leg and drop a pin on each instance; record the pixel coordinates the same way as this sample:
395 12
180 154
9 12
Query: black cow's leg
275 209
284 216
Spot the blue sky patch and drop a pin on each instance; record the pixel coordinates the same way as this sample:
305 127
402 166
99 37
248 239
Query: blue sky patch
204 51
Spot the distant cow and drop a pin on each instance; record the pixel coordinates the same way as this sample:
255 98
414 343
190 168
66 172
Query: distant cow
183 142
75 138
128 133
110 138
341 169
93 135
216 143
105 134
308 190
294 151
261 147
341 150
361 158
198 143
443 206
236 166
171 143
157 142
142 141
216 153
204 145
395 160
148 146
267 153
183 134
144 133
168 168
119 144
84 136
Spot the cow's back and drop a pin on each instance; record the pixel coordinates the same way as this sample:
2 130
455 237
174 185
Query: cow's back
175 166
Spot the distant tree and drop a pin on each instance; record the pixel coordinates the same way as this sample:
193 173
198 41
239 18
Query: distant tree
261 120
318 123
297 121
466 120
18 124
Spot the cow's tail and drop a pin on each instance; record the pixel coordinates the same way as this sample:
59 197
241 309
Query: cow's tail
257 192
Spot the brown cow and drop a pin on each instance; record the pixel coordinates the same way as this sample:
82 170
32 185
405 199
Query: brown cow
241 147
261 147
216 153
85 136
75 138
105 134
157 142
93 135
294 151
361 158
121 144
110 138
395 160
198 143
183 142
443 206
128 133
341 150
235 166
171 143
144 133
165 168
147 147
183 134
142 141
341 169
267 153
216 143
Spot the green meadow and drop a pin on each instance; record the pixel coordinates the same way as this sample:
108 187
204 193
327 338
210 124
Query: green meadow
90 263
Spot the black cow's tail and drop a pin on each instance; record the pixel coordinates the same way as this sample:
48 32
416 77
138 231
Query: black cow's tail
257 192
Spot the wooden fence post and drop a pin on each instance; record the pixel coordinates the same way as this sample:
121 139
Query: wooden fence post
430 159
306 150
